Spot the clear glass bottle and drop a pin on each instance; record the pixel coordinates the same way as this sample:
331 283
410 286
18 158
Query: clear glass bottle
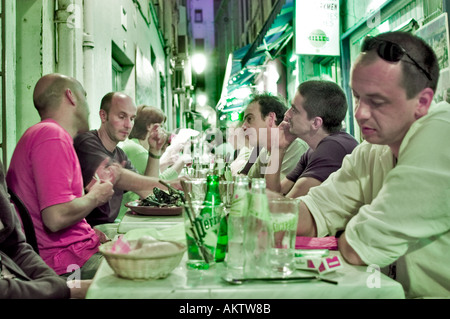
258 232
236 218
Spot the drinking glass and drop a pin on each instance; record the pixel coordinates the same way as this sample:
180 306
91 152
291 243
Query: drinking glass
284 219
196 189
202 229
226 189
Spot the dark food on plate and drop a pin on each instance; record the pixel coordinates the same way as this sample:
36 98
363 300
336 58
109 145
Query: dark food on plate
161 198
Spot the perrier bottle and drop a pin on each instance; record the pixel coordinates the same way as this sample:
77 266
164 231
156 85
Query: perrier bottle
212 198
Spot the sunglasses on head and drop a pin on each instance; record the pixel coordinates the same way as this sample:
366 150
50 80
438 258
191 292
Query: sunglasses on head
389 51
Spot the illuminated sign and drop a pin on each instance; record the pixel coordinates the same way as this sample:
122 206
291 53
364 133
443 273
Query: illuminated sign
317 27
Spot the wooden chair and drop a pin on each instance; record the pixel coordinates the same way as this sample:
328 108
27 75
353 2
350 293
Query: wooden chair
27 222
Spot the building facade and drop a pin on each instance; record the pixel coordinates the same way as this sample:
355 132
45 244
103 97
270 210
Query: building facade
145 48
261 45
108 45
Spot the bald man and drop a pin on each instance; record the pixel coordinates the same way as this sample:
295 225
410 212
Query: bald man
117 113
45 174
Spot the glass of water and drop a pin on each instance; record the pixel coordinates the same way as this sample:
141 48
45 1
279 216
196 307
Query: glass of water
284 219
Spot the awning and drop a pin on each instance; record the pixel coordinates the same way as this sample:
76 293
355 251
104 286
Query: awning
237 80
245 63
275 33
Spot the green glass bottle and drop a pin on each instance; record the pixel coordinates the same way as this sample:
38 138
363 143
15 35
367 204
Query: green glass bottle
222 241
212 198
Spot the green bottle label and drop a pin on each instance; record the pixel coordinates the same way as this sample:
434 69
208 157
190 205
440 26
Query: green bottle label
207 222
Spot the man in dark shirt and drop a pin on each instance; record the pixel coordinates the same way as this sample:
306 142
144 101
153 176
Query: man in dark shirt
315 116
117 113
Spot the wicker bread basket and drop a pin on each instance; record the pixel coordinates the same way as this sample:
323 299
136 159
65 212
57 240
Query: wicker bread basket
142 266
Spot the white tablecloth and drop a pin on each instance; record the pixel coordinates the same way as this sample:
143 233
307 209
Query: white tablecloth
355 282
185 283
132 221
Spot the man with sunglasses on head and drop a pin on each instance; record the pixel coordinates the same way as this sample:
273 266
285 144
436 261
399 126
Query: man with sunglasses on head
391 197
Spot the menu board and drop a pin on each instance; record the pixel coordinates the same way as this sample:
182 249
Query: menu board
317 27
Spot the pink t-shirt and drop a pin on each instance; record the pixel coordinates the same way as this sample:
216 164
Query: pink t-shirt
45 171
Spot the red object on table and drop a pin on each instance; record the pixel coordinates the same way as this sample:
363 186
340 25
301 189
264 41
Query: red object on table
329 242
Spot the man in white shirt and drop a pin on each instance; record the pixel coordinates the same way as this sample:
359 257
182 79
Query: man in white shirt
391 195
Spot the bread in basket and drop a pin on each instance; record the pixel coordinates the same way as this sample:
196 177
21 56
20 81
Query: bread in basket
147 259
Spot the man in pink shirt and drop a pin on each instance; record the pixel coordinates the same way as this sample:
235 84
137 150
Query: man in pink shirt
45 174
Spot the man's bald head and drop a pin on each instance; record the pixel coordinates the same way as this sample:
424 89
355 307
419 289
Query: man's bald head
112 97
49 91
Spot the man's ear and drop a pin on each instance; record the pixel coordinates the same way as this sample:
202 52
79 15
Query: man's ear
70 97
272 119
425 98
317 123
103 115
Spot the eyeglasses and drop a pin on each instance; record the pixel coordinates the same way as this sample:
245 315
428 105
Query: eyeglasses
390 51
